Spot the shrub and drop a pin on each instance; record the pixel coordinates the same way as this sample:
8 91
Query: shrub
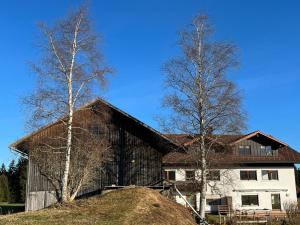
291 208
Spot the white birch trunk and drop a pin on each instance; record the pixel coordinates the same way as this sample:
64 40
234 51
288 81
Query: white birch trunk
203 183
65 191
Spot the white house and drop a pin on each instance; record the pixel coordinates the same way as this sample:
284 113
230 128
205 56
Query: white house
257 174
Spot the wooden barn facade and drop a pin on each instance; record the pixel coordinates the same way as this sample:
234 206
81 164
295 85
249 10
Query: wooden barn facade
137 152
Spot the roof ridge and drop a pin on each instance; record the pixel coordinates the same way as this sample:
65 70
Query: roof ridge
92 102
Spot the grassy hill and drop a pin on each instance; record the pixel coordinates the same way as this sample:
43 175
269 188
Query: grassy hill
130 206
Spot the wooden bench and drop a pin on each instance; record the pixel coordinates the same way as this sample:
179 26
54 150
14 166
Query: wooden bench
223 209
278 214
252 217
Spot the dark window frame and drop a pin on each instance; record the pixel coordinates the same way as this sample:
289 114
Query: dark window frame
191 176
214 175
248 175
250 200
272 174
169 177
213 202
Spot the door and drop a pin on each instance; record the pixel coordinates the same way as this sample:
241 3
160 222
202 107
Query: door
191 198
276 204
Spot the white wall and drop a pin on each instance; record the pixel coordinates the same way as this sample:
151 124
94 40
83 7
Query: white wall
231 185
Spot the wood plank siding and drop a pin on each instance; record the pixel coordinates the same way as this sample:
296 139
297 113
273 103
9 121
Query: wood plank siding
136 158
256 147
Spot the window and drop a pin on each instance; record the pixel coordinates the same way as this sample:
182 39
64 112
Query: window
191 198
213 201
244 150
248 175
213 175
266 150
249 200
189 175
269 174
169 175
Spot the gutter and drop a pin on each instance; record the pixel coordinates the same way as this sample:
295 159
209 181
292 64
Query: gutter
260 190
22 154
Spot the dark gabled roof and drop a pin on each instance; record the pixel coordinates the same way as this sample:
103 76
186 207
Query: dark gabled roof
187 139
180 139
286 154
163 140
255 133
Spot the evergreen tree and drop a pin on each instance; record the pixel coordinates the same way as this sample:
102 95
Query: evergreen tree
22 175
4 190
3 169
13 182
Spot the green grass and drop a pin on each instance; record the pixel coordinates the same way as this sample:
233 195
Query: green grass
130 206
8 208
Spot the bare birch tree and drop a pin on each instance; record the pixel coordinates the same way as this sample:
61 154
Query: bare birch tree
204 103
69 68
90 151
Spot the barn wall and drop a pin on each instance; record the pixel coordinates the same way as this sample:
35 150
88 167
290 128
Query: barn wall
39 192
39 200
136 160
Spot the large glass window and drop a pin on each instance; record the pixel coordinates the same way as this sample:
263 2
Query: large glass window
269 174
216 201
248 200
169 175
245 150
248 175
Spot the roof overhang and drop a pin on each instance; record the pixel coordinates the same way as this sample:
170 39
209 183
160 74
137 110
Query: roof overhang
257 133
19 145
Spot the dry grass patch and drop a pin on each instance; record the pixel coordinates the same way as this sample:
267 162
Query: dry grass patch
130 206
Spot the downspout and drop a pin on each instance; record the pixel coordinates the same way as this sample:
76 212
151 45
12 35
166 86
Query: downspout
22 154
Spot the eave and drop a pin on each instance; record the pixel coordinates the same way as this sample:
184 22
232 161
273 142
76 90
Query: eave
18 146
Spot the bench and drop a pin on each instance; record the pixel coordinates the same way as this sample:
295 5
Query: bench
223 209
252 217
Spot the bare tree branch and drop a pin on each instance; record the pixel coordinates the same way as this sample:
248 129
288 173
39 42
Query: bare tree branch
204 103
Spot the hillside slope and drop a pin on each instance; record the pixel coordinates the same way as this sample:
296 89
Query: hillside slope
129 206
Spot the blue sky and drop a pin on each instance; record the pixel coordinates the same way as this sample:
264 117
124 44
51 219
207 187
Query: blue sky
139 36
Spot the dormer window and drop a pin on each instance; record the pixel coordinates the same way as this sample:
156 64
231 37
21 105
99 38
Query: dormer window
245 150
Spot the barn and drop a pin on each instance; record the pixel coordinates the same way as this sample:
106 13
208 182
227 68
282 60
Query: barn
137 153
